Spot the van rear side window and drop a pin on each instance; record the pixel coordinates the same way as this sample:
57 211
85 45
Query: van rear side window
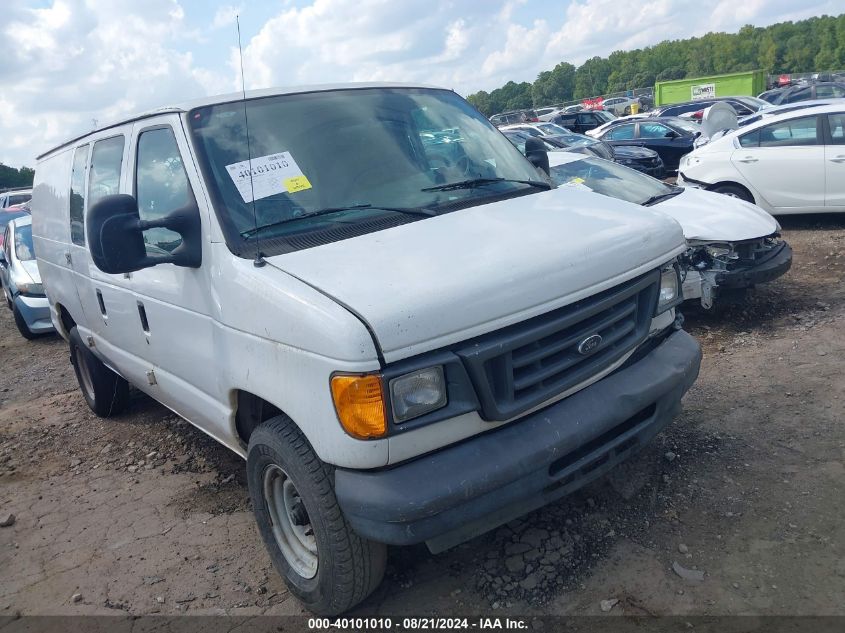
77 196
106 162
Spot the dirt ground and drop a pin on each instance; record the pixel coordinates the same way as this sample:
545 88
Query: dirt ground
143 514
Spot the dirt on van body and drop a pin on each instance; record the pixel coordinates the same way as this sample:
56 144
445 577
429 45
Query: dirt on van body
737 508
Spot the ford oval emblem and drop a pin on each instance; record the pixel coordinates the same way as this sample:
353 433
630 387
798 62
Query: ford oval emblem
589 344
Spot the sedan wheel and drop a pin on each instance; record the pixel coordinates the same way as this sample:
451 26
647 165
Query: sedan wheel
734 191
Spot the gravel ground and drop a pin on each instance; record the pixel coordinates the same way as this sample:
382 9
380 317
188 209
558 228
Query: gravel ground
736 509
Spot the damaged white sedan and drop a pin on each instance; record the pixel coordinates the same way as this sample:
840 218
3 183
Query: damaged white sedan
733 245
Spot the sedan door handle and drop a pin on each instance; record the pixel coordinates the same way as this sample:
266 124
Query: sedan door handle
838 159
748 159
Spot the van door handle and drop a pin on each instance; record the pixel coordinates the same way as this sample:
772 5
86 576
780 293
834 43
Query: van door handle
838 159
748 159
68 259
142 312
101 303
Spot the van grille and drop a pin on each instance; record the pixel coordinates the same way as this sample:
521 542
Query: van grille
528 363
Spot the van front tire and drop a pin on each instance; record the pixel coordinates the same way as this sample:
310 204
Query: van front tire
105 392
322 560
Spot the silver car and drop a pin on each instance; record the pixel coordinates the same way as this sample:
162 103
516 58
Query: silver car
21 280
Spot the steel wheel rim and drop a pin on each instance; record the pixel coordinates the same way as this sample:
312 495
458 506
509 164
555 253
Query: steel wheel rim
290 522
84 374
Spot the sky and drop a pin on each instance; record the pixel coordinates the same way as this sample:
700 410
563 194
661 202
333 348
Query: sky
66 64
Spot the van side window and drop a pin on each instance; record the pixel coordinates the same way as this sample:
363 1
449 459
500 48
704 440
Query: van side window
106 161
77 193
161 184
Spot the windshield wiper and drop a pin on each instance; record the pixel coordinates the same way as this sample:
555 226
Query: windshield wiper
662 196
478 182
352 207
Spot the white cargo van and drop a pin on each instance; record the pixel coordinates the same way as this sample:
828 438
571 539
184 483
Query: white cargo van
373 297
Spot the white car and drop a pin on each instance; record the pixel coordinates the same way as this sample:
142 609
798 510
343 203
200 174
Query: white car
620 105
20 280
597 131
543 127
377 302
733 245
790 163
14 197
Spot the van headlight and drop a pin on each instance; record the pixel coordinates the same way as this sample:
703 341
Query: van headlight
670 289
418 393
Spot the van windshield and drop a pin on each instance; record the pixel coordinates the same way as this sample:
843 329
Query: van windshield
349 160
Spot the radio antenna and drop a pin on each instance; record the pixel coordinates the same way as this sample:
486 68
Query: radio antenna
259 259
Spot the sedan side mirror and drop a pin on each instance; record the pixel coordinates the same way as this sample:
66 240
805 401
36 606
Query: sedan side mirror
535 152
116 236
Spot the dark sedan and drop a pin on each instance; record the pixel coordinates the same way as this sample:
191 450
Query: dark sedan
583 120
818 90
671 138
742 105
639 158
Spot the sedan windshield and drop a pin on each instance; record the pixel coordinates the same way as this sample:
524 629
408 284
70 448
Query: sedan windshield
552 128
610 179
686 125
320 159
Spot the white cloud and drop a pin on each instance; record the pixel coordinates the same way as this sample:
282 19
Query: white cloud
76 61
225 16
72 61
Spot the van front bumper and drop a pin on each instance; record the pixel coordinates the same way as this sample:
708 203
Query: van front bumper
458 492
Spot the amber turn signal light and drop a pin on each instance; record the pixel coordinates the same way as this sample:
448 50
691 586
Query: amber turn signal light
359 402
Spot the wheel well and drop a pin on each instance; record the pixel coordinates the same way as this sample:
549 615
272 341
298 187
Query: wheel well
251 411
67 321
734 184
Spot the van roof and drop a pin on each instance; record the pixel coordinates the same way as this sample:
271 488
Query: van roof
185 106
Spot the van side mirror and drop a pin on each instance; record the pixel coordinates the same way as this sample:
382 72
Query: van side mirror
535 152
2 256
116 236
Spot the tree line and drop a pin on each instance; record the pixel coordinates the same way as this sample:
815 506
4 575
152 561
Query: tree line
816 44
11 177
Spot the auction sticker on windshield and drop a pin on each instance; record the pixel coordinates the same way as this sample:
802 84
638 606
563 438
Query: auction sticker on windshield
269 175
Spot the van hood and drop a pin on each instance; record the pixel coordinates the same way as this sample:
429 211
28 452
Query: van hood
434 282
714 217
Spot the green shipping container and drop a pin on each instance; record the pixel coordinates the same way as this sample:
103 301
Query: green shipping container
749 83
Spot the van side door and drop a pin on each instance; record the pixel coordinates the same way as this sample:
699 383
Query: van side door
106 298
174 306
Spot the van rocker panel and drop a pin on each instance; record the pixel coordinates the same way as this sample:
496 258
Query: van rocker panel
451 495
